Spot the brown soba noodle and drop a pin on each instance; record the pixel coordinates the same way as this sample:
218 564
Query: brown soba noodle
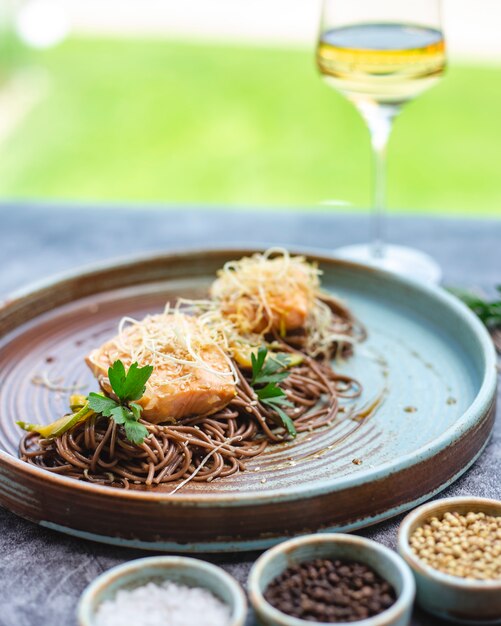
98 451
208 447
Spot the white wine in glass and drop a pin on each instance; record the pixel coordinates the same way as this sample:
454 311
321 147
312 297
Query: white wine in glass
381 54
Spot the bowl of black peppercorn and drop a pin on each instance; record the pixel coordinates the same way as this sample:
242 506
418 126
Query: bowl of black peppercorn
331 579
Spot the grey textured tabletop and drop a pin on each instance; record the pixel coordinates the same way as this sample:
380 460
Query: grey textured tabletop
42 572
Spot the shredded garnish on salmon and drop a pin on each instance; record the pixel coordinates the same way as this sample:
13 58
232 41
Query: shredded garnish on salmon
274 291
193 373
175 338
264 292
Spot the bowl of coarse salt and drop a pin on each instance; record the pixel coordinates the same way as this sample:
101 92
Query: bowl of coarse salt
163 591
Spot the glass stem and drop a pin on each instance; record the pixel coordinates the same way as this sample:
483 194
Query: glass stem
379 119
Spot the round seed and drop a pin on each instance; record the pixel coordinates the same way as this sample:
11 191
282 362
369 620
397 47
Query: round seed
466 545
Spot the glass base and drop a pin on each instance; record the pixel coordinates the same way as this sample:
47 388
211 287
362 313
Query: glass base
398 259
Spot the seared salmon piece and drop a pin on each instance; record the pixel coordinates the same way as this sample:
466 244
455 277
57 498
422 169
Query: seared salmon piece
281 314
259 294
191 375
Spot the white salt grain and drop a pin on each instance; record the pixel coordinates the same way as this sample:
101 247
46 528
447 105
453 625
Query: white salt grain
168 604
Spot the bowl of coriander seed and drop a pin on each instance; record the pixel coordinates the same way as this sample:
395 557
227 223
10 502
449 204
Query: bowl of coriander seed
453 547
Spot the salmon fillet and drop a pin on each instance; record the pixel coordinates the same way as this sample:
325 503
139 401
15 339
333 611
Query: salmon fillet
259 294
179 386
283 313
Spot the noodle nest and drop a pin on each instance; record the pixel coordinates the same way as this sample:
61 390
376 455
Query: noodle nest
210 447
204 448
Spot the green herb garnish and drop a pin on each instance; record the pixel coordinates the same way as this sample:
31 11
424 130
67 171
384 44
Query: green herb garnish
489 312
127 386
269 369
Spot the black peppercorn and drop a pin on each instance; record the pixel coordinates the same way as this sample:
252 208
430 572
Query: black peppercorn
330 591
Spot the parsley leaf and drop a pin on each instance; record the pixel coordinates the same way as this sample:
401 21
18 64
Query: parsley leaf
275 398
129 417
286 421
101 404
257 363
272 393
131 385
136 409
120 414
127 386
267 370
267 365
488 312
135 431
116 375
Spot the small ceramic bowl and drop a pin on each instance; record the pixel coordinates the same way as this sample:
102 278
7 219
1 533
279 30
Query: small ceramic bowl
337 546
451 597
181 570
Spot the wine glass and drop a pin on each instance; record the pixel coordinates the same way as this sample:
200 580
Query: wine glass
380 54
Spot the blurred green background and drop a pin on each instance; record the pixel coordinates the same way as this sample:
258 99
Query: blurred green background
152 120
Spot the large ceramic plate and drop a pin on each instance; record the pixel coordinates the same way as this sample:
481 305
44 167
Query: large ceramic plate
428 370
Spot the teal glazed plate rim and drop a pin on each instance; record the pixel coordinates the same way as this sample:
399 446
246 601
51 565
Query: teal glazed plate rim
428 370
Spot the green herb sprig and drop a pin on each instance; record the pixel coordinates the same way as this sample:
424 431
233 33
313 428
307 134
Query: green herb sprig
269 369
489 312
127 387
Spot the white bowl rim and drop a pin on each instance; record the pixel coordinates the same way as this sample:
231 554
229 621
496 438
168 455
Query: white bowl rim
417 564
238 615
405 598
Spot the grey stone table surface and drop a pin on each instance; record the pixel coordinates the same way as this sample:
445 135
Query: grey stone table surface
42 572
